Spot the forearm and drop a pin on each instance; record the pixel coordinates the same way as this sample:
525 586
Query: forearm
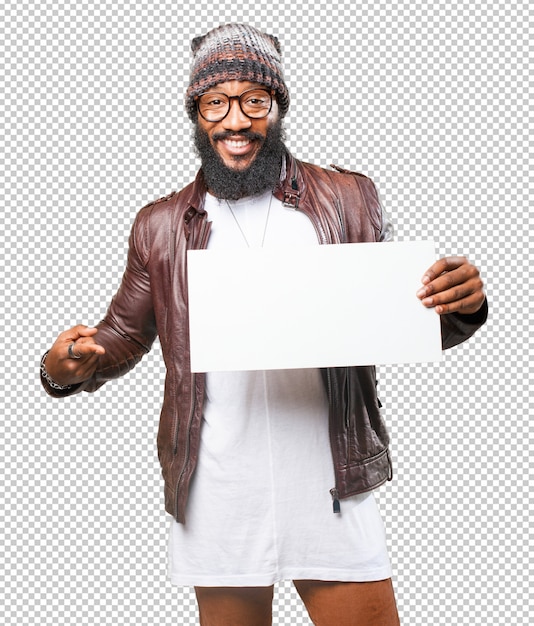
122 354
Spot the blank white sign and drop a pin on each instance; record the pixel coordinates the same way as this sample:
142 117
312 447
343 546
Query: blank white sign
318 306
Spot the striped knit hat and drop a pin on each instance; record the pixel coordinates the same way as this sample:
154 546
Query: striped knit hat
236 52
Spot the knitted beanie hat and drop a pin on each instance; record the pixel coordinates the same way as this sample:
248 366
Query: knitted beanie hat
236 52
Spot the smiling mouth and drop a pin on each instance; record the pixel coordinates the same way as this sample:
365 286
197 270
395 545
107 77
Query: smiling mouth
236 143
237 148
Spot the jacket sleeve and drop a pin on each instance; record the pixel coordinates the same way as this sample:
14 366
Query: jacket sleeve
456 328
128 329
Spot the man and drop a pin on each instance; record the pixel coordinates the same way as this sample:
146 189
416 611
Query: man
268 475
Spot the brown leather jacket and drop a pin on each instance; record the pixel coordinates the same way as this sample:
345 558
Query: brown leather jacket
152 301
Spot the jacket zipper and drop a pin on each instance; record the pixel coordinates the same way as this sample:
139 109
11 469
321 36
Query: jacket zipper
187 440
334 491
335 500
202 243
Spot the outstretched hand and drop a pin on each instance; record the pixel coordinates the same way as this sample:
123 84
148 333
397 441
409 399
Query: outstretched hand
74 356
452 285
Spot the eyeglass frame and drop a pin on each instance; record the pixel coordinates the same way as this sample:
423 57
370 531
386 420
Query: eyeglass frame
238 98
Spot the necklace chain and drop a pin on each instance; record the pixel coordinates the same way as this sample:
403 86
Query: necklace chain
239 225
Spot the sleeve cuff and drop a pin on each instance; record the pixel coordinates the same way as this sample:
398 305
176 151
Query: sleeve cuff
479 317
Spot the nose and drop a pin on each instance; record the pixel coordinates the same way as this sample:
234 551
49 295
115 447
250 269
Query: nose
236 119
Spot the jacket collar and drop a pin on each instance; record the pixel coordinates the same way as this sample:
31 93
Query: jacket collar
291 186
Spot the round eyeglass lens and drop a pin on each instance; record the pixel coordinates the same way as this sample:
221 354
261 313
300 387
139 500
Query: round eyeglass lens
254 103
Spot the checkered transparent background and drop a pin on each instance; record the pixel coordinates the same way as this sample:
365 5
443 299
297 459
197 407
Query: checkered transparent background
431 101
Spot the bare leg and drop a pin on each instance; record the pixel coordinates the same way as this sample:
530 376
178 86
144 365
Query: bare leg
349 604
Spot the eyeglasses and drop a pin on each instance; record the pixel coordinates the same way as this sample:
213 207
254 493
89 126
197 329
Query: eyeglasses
254 103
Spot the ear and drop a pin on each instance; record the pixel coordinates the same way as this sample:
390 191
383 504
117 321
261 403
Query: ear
197 42
276 43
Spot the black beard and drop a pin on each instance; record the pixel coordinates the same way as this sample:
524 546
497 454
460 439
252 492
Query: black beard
262 174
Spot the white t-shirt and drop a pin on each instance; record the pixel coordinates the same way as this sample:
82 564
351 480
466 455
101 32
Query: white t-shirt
260 508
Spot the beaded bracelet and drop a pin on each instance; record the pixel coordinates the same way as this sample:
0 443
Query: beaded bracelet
49 379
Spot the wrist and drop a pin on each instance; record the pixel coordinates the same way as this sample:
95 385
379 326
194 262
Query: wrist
45 376
478 317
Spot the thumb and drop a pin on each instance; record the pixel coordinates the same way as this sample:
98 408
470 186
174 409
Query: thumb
78 331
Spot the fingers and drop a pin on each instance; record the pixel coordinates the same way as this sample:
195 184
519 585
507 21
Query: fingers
466 299
445 264
73 371
79 343
451 285
74 356
71 353
84 347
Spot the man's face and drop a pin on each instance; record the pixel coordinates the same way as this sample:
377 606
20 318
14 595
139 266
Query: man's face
237 139
240 156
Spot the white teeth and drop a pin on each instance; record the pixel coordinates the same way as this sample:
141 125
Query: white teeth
237 144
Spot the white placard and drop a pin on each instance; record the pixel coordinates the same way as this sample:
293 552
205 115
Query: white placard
318 306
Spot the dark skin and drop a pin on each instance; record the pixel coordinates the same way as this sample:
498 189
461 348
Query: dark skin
450 285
